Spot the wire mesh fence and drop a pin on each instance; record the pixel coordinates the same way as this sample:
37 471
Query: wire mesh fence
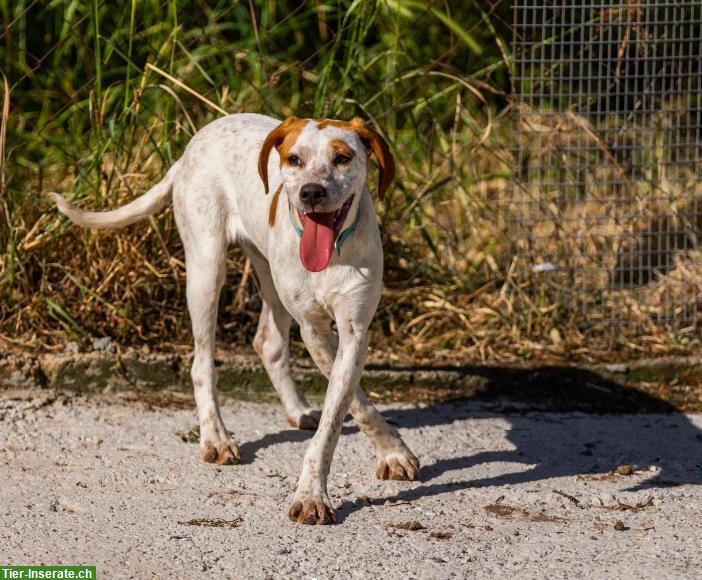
604 211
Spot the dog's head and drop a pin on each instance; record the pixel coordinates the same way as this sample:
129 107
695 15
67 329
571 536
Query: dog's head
324 168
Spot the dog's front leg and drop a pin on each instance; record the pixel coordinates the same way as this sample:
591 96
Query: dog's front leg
394 460
311 503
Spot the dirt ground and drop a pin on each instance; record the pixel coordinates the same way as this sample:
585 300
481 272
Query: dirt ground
106 480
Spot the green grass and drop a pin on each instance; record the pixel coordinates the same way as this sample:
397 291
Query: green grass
104 96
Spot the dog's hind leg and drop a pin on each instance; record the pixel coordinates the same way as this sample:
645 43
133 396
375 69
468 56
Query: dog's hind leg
394 460
272 345
205 255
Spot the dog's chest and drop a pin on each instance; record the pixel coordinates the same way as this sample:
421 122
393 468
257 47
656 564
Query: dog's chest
326 288
313 296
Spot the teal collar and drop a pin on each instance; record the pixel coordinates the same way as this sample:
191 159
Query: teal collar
343 235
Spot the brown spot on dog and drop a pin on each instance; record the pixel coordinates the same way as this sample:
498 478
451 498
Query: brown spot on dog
273 210
374 142
341 147
283 137
353 124
290 139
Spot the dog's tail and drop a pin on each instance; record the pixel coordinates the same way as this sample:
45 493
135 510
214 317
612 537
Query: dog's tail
153 200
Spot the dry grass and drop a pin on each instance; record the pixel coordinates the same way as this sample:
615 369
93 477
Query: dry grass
461 237
458 285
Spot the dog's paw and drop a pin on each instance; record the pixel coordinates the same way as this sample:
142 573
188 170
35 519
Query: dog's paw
221 452
308 419
400 465
312 511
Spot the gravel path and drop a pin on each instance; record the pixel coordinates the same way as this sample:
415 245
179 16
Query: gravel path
106 481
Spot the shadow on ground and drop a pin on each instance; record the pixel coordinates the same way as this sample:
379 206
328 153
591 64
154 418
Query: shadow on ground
595 436
654 389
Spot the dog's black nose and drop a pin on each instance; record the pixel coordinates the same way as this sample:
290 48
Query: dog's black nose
313 193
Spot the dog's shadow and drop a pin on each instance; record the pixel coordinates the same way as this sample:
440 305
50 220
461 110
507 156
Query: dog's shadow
660 440
249 449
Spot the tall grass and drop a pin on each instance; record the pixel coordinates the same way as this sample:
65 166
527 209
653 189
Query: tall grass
102 97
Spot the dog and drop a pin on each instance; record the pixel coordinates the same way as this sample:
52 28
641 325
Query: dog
316 250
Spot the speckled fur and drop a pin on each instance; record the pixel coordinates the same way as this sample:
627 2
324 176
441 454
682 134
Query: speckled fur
218 199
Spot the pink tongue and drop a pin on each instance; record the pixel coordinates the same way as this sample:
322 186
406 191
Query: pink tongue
317 241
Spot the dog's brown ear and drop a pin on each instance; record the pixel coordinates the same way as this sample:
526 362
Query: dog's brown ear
274 139
380 149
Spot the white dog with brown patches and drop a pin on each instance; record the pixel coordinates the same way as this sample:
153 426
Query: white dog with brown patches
316 249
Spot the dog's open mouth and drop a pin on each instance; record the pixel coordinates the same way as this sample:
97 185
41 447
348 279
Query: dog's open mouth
319 233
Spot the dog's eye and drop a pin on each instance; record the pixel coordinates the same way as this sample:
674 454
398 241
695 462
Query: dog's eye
341 159
294 160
